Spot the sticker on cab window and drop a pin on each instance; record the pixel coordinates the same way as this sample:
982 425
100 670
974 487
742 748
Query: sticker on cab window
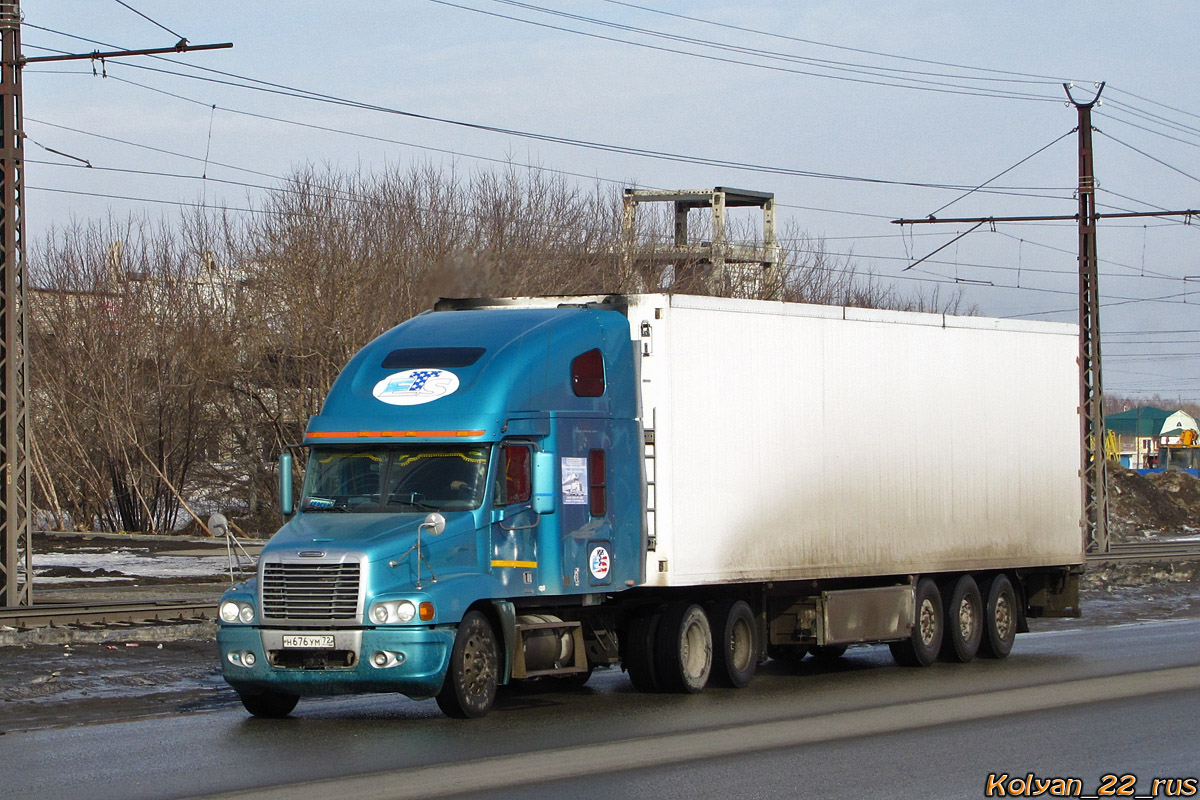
574 481
415 386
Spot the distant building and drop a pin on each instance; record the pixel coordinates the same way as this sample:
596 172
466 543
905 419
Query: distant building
1146 436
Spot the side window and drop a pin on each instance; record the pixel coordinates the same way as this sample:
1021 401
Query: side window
587 374
597 483
514 483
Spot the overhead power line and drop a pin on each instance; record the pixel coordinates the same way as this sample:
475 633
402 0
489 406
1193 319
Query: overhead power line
892 80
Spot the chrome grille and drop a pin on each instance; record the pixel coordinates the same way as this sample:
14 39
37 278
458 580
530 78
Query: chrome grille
323 591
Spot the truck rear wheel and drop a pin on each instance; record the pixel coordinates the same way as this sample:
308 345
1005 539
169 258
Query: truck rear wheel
999 618
638 650
964 621
735 643
921 648
683 652
272 705
469 689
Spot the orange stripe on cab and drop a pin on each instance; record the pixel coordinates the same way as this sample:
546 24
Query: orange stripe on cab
387 434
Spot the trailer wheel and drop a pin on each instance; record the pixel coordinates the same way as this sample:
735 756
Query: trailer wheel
735 643
683 652
964 621
469 689
920 649
638 650
828 653
272 705
999 618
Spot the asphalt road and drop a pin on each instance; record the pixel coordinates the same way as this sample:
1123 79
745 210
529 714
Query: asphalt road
1119 700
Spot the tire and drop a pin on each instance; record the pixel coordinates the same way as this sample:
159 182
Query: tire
638 650
964 621
683 651
999 618
828 653
735 643
921 648
270 705
469 689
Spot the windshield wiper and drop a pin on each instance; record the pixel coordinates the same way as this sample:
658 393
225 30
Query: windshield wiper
342 509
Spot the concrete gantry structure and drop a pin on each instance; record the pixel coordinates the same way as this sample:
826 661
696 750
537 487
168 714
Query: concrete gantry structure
740 270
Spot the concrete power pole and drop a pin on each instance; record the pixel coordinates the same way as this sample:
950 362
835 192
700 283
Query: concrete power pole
17 586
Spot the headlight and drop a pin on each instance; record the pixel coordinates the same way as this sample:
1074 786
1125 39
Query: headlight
232 611
229 611
393 611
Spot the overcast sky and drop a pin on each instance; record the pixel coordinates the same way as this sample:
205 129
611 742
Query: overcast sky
896 93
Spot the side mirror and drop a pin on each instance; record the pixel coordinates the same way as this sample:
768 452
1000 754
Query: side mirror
545 483
218 525
435 523
286 503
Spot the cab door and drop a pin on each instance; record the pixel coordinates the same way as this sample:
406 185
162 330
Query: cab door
514 557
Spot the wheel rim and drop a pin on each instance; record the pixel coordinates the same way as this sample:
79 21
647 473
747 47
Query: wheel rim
1004 618
477 666
739 645
928 622
694 654
967 614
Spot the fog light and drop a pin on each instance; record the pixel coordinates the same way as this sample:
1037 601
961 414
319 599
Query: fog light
380 659
248 659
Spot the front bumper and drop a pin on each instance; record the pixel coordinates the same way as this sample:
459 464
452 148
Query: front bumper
424 654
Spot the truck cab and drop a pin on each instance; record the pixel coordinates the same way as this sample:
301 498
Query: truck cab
465 467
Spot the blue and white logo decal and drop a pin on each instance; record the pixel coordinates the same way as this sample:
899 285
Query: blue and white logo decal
599 563
415 386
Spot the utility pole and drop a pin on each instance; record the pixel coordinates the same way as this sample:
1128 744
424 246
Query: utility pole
16 558
1091 410
1091 395
14 369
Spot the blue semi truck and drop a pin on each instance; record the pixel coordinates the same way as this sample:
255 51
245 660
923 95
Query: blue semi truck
534 488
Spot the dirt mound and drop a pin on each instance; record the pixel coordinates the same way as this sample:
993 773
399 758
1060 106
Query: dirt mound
1140 506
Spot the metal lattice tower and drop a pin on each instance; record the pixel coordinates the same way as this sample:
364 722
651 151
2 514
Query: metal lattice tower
17 587
1091 409
735 269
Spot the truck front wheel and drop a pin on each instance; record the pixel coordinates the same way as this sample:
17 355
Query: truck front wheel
272 705
921 648
469 689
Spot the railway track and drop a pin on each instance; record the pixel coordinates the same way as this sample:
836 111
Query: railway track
84 615
96 615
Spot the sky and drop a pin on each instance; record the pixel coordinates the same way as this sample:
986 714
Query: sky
853 114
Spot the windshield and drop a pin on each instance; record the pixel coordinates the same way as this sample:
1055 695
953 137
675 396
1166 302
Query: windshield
402 478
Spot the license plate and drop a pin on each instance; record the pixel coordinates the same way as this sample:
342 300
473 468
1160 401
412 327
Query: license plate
309 641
